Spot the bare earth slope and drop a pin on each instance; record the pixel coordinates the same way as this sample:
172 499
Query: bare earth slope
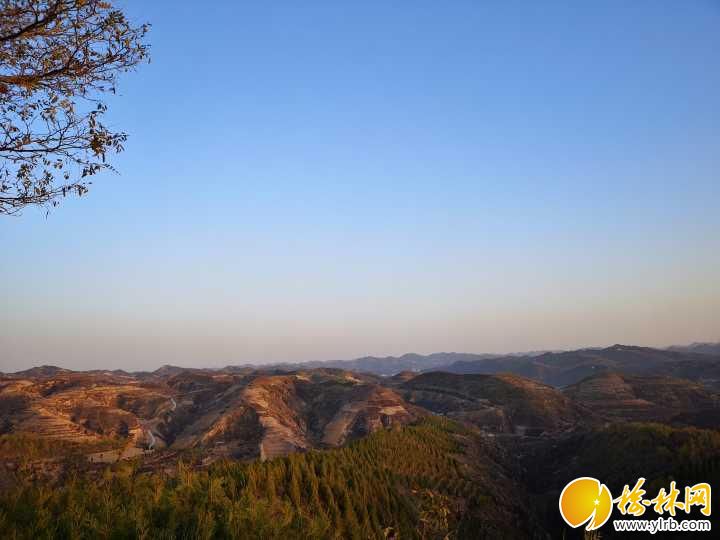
244 416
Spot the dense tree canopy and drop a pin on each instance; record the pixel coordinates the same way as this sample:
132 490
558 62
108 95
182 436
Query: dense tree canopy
412 482
57 60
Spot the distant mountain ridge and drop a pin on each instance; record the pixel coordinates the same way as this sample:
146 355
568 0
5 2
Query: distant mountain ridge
700 348
565 368
558 368
41 371
387 365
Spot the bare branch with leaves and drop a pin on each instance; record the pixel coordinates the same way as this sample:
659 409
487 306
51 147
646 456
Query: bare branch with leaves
57 60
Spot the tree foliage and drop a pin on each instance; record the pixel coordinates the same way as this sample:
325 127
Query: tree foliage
408 483
619 454
57 60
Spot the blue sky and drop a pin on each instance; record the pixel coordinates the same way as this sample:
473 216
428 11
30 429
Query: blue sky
321 180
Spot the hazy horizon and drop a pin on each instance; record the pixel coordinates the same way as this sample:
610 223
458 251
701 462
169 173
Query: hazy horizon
332 181
220 364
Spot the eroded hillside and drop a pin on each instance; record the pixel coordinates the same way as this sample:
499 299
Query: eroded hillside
501 403
619 397
241 416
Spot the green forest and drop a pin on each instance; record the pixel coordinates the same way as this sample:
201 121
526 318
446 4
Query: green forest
404 483
434 479
617 455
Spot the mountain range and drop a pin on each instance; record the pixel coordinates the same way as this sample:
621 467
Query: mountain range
513 430
247 412
554 367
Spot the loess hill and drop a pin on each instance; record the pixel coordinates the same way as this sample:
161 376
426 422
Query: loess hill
224 415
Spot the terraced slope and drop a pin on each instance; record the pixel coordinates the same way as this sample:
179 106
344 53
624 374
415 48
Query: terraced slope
80 407
620 397
261 414
501 403
272 415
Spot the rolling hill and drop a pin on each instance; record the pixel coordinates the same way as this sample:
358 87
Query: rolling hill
500 403
620 397
565 368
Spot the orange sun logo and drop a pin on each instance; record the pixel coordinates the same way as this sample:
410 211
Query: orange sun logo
586 500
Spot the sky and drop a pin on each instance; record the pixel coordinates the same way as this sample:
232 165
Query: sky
324 180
